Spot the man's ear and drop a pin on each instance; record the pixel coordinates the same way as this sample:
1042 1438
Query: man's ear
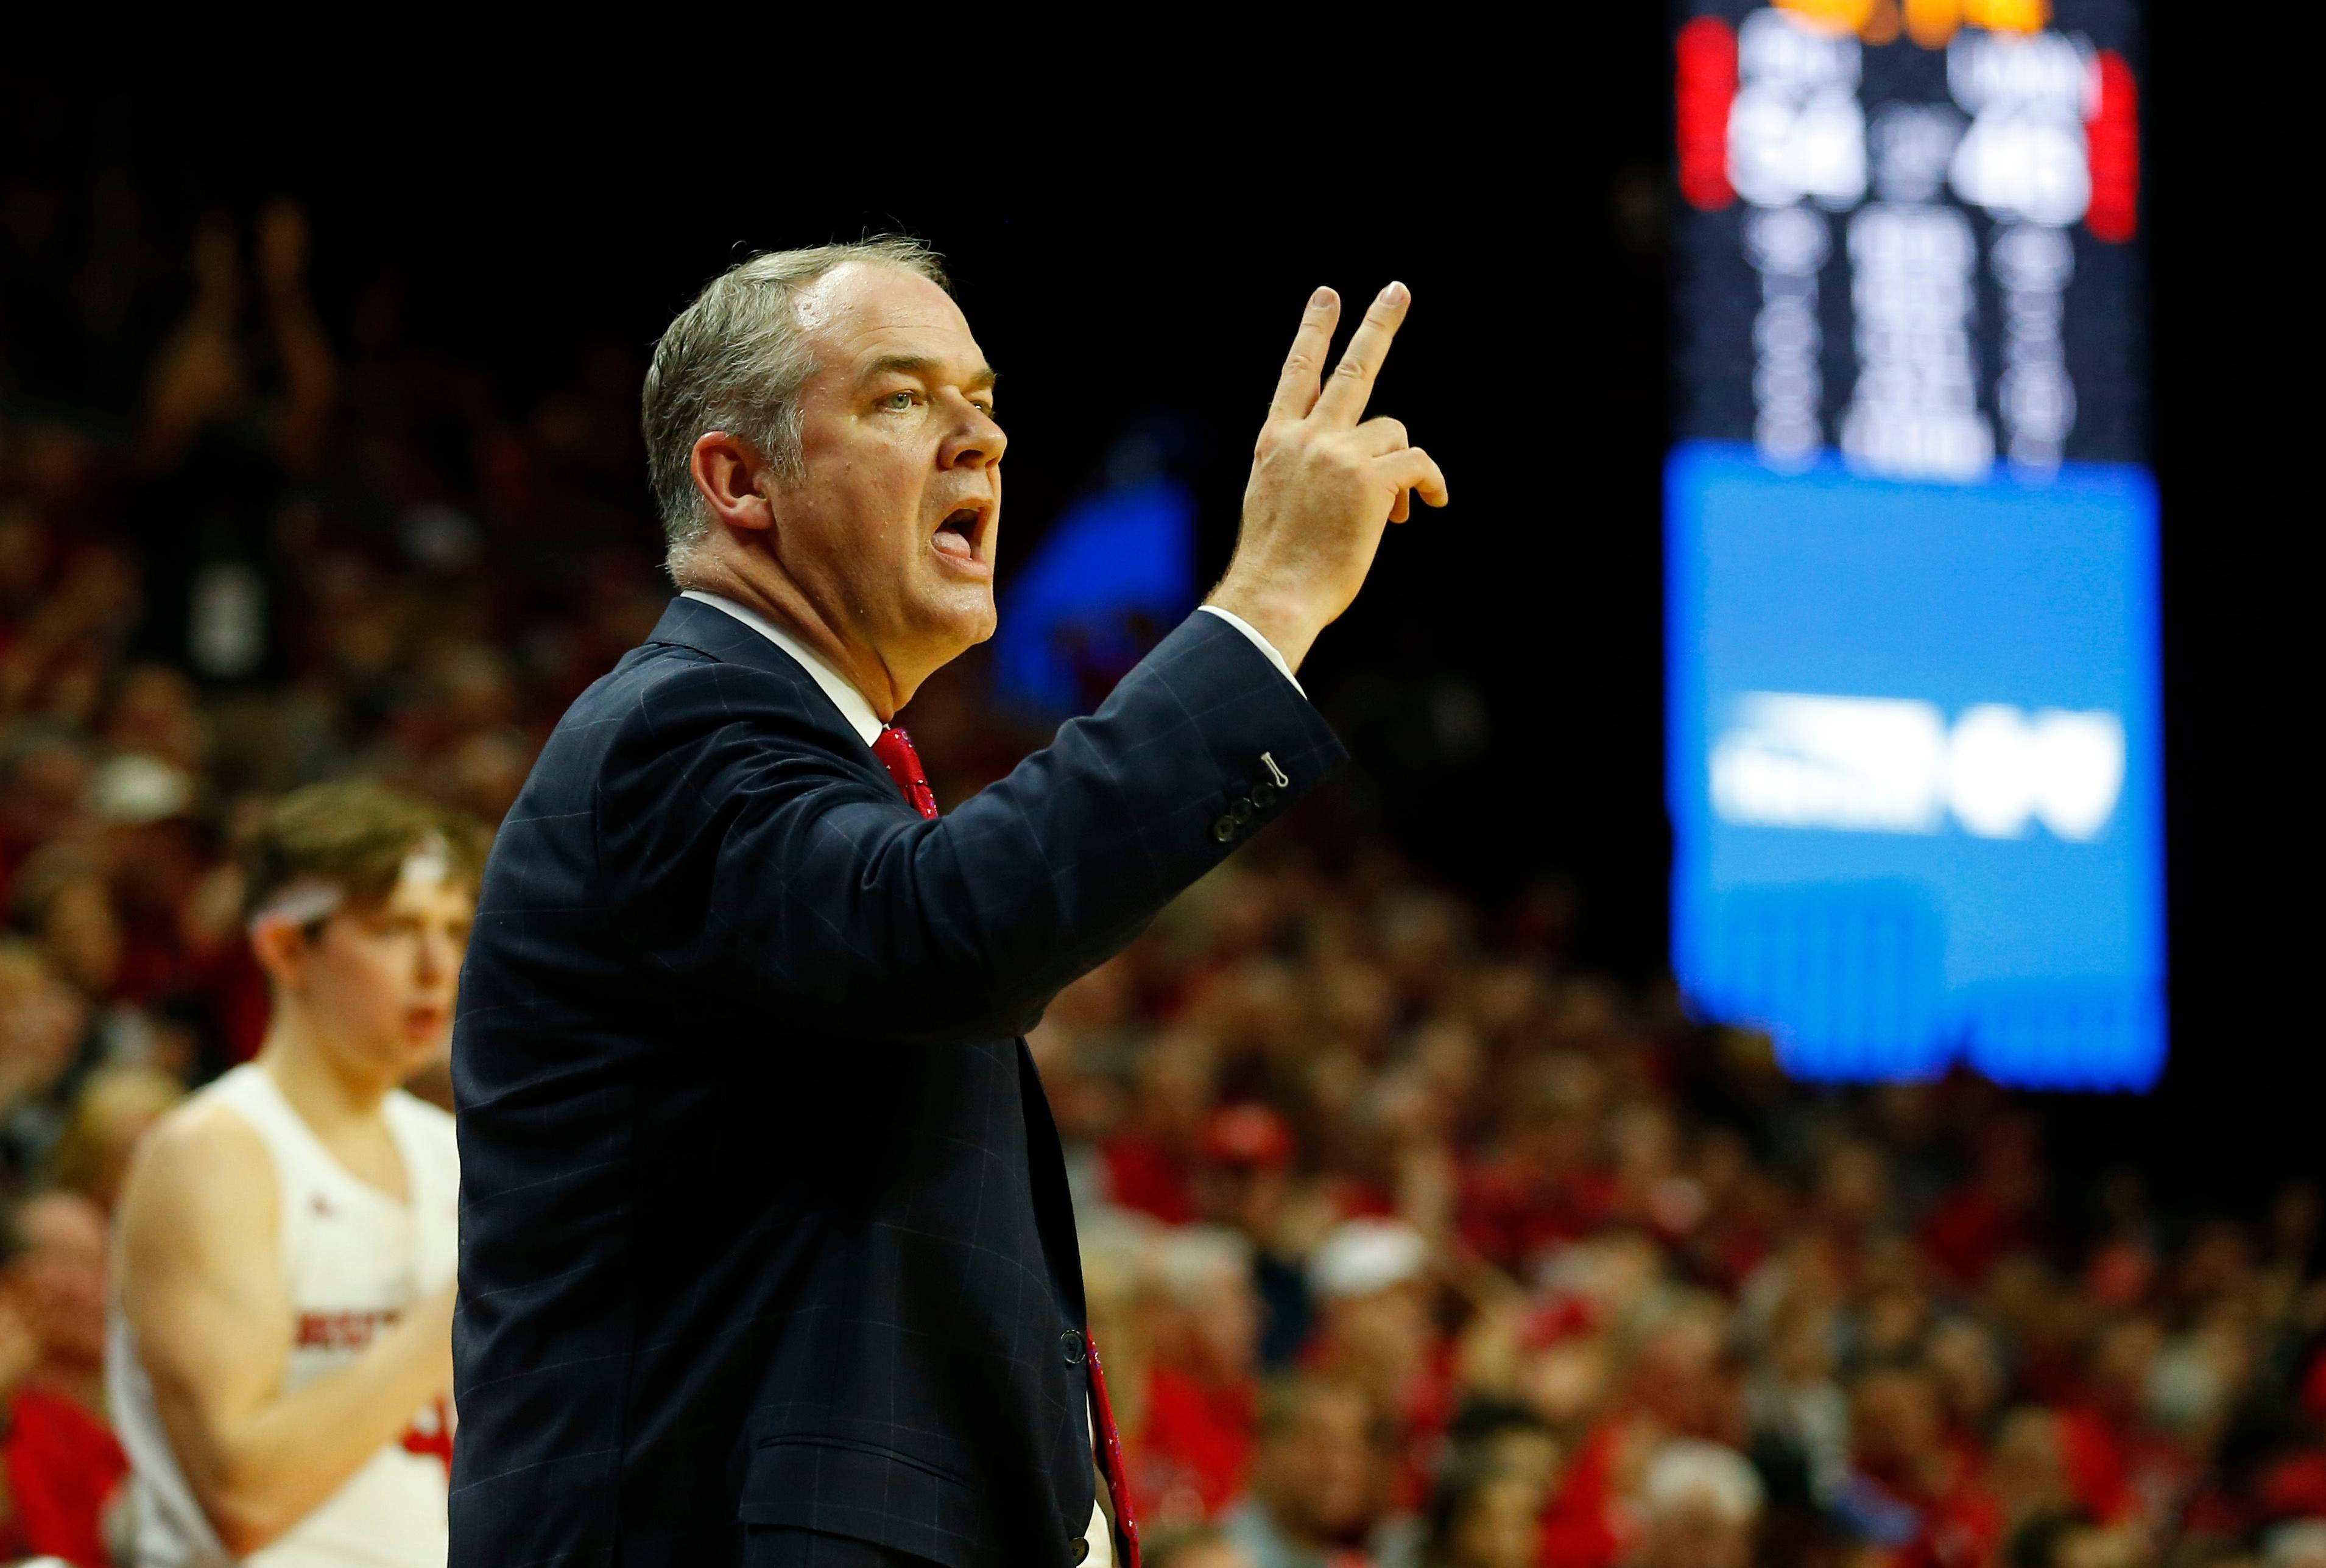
280 948
728 470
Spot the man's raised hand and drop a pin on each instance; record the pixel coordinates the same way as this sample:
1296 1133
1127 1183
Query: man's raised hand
1325 481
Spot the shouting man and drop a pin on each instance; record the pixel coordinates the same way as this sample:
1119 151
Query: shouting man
766 1251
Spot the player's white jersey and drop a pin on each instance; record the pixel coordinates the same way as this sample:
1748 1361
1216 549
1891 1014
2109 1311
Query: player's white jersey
354 1259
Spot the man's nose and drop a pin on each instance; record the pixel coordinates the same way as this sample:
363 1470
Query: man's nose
439 957
976 441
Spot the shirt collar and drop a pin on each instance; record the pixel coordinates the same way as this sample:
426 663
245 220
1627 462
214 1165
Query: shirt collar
846 698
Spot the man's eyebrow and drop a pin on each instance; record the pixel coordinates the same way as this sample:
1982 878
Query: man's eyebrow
981 379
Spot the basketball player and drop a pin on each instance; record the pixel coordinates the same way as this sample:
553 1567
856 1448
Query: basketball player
280 1354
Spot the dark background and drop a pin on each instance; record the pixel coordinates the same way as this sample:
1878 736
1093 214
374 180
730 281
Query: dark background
1132 238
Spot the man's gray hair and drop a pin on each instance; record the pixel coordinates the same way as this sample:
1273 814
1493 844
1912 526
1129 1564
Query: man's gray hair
735 360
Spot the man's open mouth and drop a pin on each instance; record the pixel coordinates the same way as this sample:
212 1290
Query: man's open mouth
961 535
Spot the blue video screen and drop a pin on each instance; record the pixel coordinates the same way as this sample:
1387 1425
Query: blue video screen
1110 576
1914 754
1914 767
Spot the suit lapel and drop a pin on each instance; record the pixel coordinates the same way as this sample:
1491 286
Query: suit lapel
691 624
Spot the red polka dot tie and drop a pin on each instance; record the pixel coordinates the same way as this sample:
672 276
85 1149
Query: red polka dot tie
895 750
1110 1442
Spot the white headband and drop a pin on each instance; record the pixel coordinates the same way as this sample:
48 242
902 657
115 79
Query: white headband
298 904
309 899
430 861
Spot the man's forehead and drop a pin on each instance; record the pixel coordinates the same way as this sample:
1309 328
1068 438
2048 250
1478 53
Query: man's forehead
427 882
859 311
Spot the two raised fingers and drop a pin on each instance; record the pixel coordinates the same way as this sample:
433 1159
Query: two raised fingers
1295 389
1342 402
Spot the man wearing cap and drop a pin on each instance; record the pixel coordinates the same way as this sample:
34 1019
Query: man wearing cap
766 1252
1243 1181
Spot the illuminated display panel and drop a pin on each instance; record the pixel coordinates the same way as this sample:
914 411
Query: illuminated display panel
1914 743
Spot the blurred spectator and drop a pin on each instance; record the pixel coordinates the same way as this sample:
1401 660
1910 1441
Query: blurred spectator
60 1470
114 1108
1701 1507
1244 1180
1483 1515
1194 1445
41 1022
63 905
1375 1333
59 1275
1317 1487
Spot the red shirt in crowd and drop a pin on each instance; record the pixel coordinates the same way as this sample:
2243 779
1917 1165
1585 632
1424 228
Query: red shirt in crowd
1144 1175
1198 1437
1583 1526
63 1466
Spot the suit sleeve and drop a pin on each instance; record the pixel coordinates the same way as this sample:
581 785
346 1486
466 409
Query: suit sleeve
738 846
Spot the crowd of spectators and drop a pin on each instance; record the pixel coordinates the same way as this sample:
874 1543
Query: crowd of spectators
1408 1243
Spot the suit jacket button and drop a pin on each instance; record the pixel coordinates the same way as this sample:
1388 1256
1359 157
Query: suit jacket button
1263 795
1241 810
1070 1345
1224 828
1080 1547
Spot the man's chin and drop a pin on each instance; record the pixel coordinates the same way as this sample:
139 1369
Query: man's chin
414 1057
962 618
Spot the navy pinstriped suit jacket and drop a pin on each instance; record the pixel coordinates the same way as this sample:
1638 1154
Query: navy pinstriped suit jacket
763 1217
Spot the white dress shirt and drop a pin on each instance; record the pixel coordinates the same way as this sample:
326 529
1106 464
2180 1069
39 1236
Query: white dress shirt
866 723
844 697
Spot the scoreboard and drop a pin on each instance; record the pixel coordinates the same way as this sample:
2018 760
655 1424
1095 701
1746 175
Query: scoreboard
1914 752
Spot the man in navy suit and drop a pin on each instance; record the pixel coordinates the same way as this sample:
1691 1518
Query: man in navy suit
766 1256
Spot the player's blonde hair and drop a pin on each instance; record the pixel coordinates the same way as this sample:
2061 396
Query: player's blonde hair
353 838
